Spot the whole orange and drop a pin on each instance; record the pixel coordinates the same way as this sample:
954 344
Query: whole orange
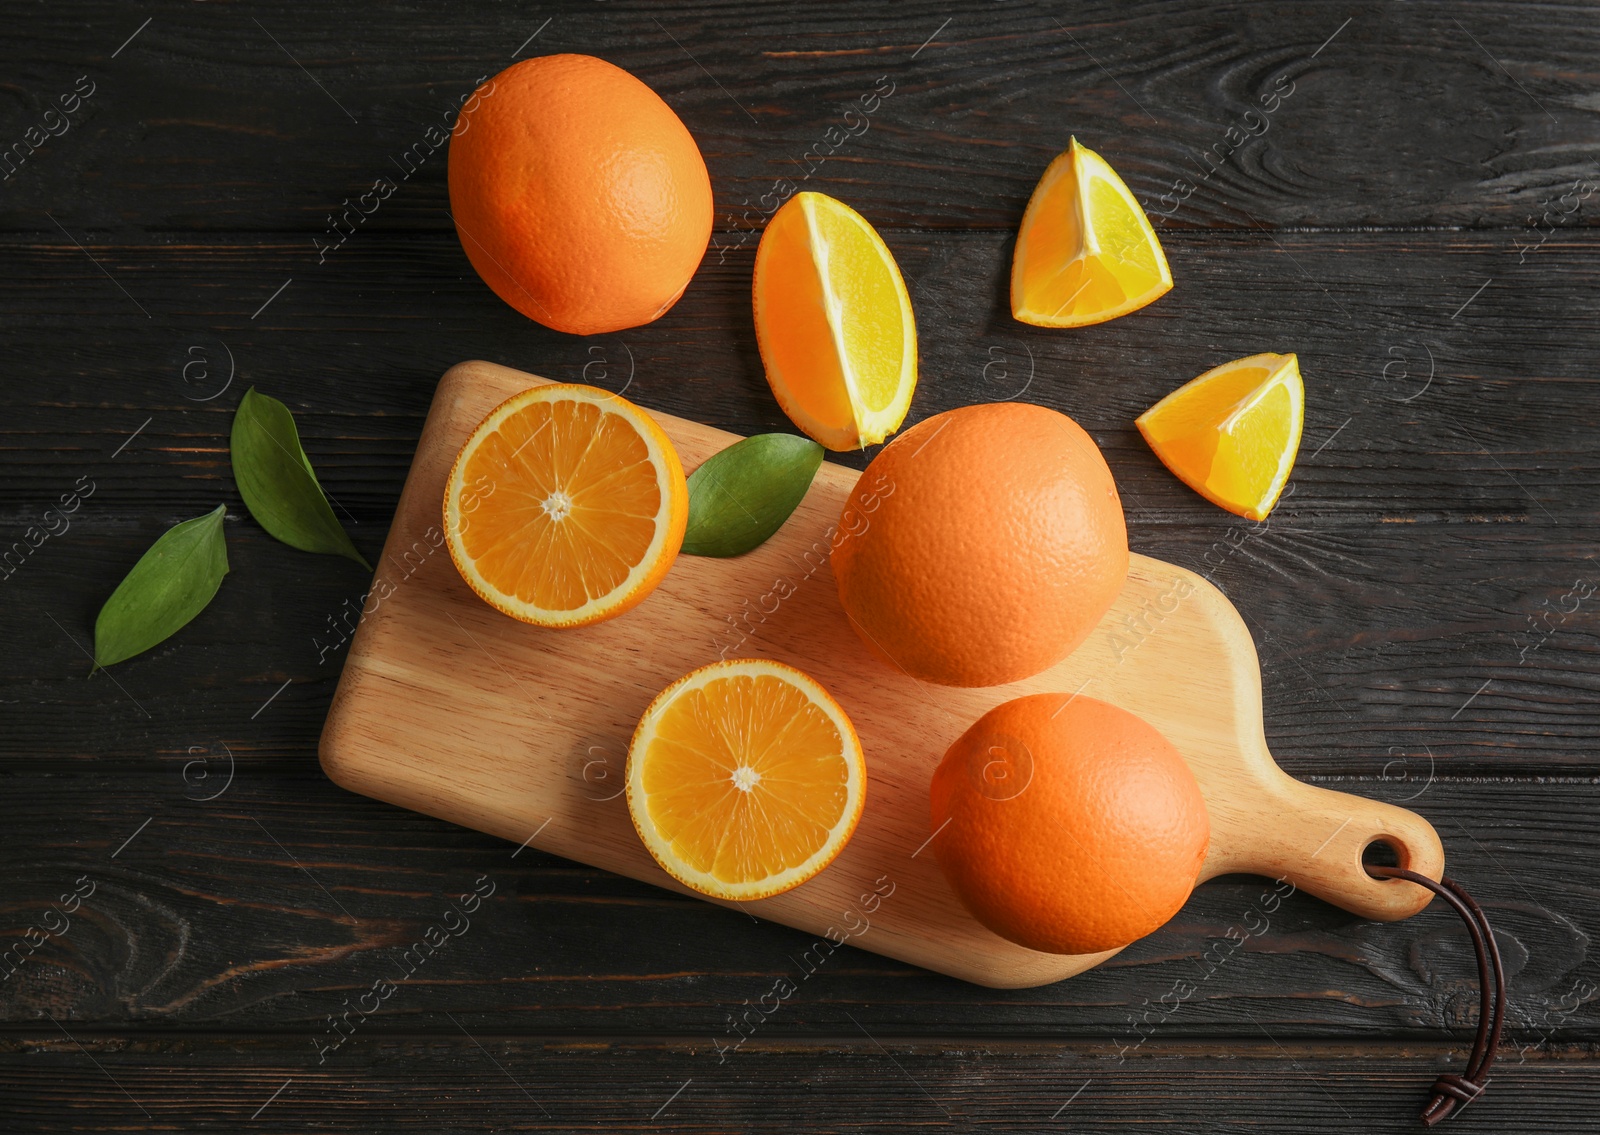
982 545
578 195
1068 825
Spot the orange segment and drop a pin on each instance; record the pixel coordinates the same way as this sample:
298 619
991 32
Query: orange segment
745 779
1085 252
566 506
834 324
1232 434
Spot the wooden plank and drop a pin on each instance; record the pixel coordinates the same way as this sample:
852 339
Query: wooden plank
1510 340
237 912
1282 115
1375 646
448 1083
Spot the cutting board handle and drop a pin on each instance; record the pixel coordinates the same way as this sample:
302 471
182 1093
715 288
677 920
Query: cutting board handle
1314 837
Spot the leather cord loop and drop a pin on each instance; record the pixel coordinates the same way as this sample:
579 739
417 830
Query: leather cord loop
1452 1091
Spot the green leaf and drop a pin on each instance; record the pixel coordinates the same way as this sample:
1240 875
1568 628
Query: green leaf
277 482
741 496
171 584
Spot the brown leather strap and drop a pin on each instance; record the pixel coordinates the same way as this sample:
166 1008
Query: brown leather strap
1451 1090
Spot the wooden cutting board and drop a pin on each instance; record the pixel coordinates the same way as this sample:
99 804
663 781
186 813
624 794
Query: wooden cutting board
450 708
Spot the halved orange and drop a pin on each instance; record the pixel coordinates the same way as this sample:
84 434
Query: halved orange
1085 252
566 506
745 779
834 323
1232 434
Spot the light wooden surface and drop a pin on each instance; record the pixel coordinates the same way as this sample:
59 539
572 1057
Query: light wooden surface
450 708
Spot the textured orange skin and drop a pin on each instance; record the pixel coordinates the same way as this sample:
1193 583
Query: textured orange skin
1102 844
578 195
982 545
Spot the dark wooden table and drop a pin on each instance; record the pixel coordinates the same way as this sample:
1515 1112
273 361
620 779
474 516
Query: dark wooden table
1414 220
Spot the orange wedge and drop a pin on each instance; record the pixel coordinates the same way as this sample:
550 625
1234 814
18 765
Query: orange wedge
834 324
745 779
1232 434
566 506
1085 252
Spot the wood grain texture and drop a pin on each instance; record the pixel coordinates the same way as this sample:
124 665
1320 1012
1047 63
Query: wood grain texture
867 1079
1483 433
1393 114
1415 602
237 912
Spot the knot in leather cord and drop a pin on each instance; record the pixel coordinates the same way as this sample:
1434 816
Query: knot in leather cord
1463 1089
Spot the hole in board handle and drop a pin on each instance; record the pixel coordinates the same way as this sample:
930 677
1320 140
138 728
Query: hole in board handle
1384 851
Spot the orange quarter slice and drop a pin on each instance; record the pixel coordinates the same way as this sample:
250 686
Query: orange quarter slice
1232 434
1085 252
566 506
834 323
745 779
